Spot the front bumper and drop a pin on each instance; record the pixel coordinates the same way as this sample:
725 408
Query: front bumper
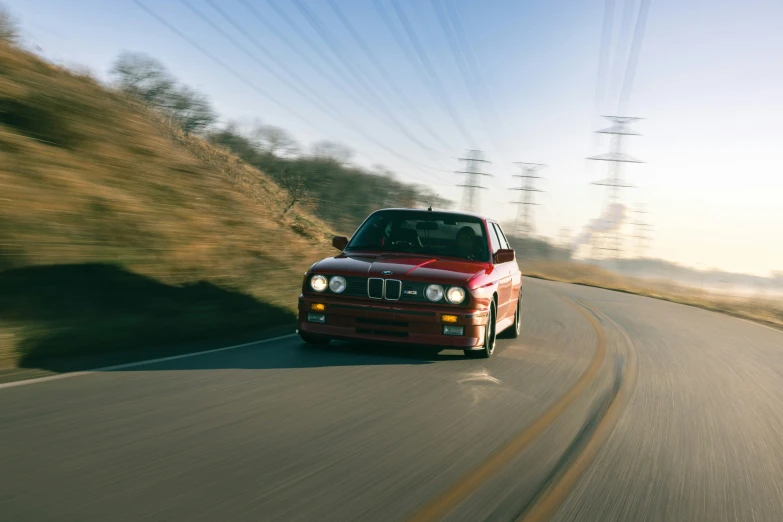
387 321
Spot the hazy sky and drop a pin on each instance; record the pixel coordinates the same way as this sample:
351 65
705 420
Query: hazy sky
709 85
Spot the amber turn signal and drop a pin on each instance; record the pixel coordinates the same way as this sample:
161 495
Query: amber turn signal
318 307
449 318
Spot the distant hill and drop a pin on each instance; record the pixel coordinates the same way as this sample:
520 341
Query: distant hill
539 248
717 280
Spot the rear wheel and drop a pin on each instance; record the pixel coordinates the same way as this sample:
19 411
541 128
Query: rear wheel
314 339
513 331
488 349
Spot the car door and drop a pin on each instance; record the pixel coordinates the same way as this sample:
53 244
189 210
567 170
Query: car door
513 270
503 271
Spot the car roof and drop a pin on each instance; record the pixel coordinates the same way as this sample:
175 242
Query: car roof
425 211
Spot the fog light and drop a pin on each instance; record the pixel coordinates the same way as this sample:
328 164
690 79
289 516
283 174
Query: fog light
316 318
453 330
318 307
448 318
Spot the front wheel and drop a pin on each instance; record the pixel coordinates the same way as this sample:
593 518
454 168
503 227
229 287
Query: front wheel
314 339
488 349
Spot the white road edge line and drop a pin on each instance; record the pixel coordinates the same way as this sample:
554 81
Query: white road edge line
137 363
759 324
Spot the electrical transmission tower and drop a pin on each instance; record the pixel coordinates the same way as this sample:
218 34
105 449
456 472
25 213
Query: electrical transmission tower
564 237
616 159
641 231
472 185
524 222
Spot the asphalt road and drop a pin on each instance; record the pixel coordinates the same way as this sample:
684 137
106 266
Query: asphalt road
683 410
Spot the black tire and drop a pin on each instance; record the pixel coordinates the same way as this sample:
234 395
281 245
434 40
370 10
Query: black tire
488 349
513 331
314 339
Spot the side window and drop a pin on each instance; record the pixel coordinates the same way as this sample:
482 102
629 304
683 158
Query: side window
493 237
501 236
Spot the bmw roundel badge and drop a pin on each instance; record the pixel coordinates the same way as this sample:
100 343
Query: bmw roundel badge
387 272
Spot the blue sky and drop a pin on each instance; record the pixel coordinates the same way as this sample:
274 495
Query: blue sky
709 84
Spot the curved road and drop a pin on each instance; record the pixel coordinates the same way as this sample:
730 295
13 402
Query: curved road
610 407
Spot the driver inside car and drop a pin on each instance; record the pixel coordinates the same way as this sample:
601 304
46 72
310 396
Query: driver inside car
406 237
466 242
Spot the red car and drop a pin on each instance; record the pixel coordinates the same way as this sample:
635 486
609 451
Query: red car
423 277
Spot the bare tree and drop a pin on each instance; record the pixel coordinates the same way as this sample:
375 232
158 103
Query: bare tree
191 109
274 141
147 79
143 77
9 28
334 151
294 182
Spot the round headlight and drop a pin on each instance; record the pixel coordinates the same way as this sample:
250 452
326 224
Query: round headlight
434 292
337 284
455 295
318 283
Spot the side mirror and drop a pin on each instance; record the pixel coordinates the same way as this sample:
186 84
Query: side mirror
339 242
504 255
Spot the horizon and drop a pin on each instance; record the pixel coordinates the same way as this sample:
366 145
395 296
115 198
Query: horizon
706 84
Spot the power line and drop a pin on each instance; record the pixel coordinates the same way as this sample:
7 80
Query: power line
621 50
378 65
599 97
304 36
472 183
338 83
433 76
633 56
321 103
222 64
412 60
313 46
259 90
462 42
462 64
475 71
456 51
328 38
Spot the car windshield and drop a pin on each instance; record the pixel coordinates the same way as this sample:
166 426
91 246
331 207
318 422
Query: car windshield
428 233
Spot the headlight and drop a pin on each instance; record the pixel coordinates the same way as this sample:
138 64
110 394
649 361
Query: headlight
434 292
455 295
318 283
337 284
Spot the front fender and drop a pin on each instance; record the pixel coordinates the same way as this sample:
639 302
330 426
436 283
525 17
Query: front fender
484 294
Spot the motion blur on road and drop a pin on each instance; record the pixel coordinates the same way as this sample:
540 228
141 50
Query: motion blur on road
169 170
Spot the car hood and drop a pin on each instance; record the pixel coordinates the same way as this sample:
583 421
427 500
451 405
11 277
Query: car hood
405 267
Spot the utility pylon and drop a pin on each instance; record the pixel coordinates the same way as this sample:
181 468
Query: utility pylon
524 223
472 183
564 237
616 158
641 231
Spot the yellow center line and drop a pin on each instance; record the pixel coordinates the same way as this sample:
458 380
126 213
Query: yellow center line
457 492
553 498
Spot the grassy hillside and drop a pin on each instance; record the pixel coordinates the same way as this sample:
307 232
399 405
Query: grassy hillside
117 230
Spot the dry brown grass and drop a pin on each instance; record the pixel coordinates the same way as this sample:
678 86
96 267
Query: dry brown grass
90 176
765 311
